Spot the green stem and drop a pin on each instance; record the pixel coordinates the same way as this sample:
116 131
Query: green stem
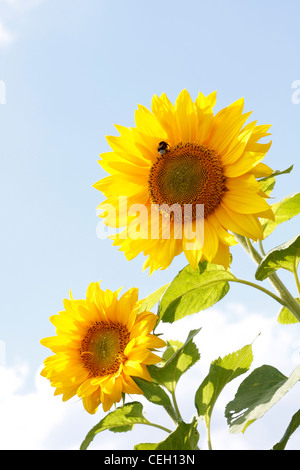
172 413
291 303
286 298
176 407
256 286
261 248
158 426
208 435
251 284
296 277
250 248
262 289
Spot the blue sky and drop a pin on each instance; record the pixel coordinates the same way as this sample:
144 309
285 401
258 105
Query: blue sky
72 69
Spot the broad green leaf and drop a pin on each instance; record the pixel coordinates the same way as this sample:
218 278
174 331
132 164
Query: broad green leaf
155 394
185 437
172 347
286 256
126 416
264 387
182 359
152 299
284 210
286 317
194 290
277 173
221 372
267 185
294 424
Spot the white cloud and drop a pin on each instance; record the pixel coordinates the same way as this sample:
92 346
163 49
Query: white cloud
6 37
38 420
223 332
22 5
10 10
26 418
232 327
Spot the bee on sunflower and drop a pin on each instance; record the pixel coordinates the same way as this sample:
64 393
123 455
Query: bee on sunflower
181 156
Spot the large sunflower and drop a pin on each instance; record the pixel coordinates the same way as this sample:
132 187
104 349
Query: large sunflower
179 155
101 342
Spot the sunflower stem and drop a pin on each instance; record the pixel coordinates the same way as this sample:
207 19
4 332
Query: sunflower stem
254 254
208 436
291 303
262 289
286 297
261 248
172 413
159 427
179 418
296 277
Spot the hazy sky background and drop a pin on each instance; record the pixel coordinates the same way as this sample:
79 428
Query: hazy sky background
71 70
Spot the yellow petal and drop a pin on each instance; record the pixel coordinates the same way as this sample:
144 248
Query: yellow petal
223 256
243 224
129 385
246 163
151 359
186 118
237 146
165 113
211 241
150 341
144 324
244 202
147 123
261 170
126 305
137 370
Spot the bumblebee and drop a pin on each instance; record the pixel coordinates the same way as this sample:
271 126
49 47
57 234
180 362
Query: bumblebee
163 147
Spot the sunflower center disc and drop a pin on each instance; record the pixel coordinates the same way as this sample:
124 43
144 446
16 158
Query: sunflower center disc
102 348
187 173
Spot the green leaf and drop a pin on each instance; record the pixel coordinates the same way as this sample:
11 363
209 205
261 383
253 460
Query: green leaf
221 372
264 387
294 424
172 347
185 437
194 290
283 210
286 317
122 428
152 299
126 416
268 182
155 394
277 173
182 359
286 256
267 185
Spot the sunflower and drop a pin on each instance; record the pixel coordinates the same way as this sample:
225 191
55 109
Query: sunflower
101 342
181 156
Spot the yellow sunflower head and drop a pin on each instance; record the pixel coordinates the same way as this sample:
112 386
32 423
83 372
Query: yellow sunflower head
183 156
101 342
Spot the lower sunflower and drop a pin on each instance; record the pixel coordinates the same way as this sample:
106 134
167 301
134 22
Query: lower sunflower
182 156
101 342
